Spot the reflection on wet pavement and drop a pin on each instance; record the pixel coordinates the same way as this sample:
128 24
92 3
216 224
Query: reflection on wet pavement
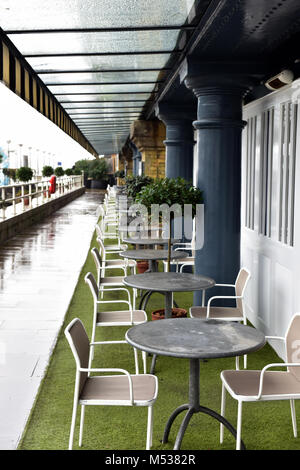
38 273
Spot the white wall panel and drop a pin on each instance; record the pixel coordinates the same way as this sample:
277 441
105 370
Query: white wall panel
274 261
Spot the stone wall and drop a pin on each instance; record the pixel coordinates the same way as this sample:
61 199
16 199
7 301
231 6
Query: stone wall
14 225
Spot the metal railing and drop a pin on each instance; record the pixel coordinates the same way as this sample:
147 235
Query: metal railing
19 197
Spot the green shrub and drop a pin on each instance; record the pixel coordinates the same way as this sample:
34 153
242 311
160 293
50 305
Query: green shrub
170 191
47 171
69 171
134 184
119 174
24 173
10 172
98 170
80 166
59 171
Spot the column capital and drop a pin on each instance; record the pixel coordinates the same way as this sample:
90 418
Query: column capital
168 111
226 78
148 134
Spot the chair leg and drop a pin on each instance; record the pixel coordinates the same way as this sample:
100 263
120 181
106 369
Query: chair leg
294 421
223 406
144 356
136 361
239 426
149 428
81 424
73 421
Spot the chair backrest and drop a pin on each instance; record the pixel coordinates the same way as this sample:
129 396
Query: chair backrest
101 245
293 344
240 286
80 346
99 231
91 281
98 263
193 240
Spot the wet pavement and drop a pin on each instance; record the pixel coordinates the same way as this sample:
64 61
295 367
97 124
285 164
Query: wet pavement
39 270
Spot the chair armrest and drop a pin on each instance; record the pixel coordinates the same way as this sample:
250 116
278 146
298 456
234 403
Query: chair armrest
182 248
122 371
113 289
281 338
224 285
269 366
220 297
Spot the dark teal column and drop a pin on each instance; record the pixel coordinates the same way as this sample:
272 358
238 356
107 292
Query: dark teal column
179 139
136 159
218 173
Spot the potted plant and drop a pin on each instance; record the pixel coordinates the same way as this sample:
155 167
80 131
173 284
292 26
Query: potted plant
59 171
10 173
120 174
134 185
24 174
142 266
176 313
170 191
98 173
47 171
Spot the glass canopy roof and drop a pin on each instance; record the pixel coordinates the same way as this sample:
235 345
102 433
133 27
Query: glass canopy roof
104 61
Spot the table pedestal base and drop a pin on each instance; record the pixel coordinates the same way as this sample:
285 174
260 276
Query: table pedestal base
194 407
186 420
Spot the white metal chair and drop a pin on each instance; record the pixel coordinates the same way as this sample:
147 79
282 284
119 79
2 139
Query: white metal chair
116 247
181 263
236 313
266 385
122 389
109 219
187 246
114 263
226 313
129 317
108 281
119 263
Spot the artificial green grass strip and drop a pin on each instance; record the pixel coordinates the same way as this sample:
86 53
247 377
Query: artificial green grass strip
266 425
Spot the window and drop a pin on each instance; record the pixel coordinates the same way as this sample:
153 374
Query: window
288 120
250 172
266 172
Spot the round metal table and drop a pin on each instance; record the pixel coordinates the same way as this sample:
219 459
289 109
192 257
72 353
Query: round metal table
195 339
168 283
149 241
152 256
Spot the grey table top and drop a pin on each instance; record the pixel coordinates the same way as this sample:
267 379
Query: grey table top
169 282
192 338
149 254
149 241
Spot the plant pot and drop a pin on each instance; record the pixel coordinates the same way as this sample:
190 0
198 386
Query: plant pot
176 313
26 201
142 266
96 184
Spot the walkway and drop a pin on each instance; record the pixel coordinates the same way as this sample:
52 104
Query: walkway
39 271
